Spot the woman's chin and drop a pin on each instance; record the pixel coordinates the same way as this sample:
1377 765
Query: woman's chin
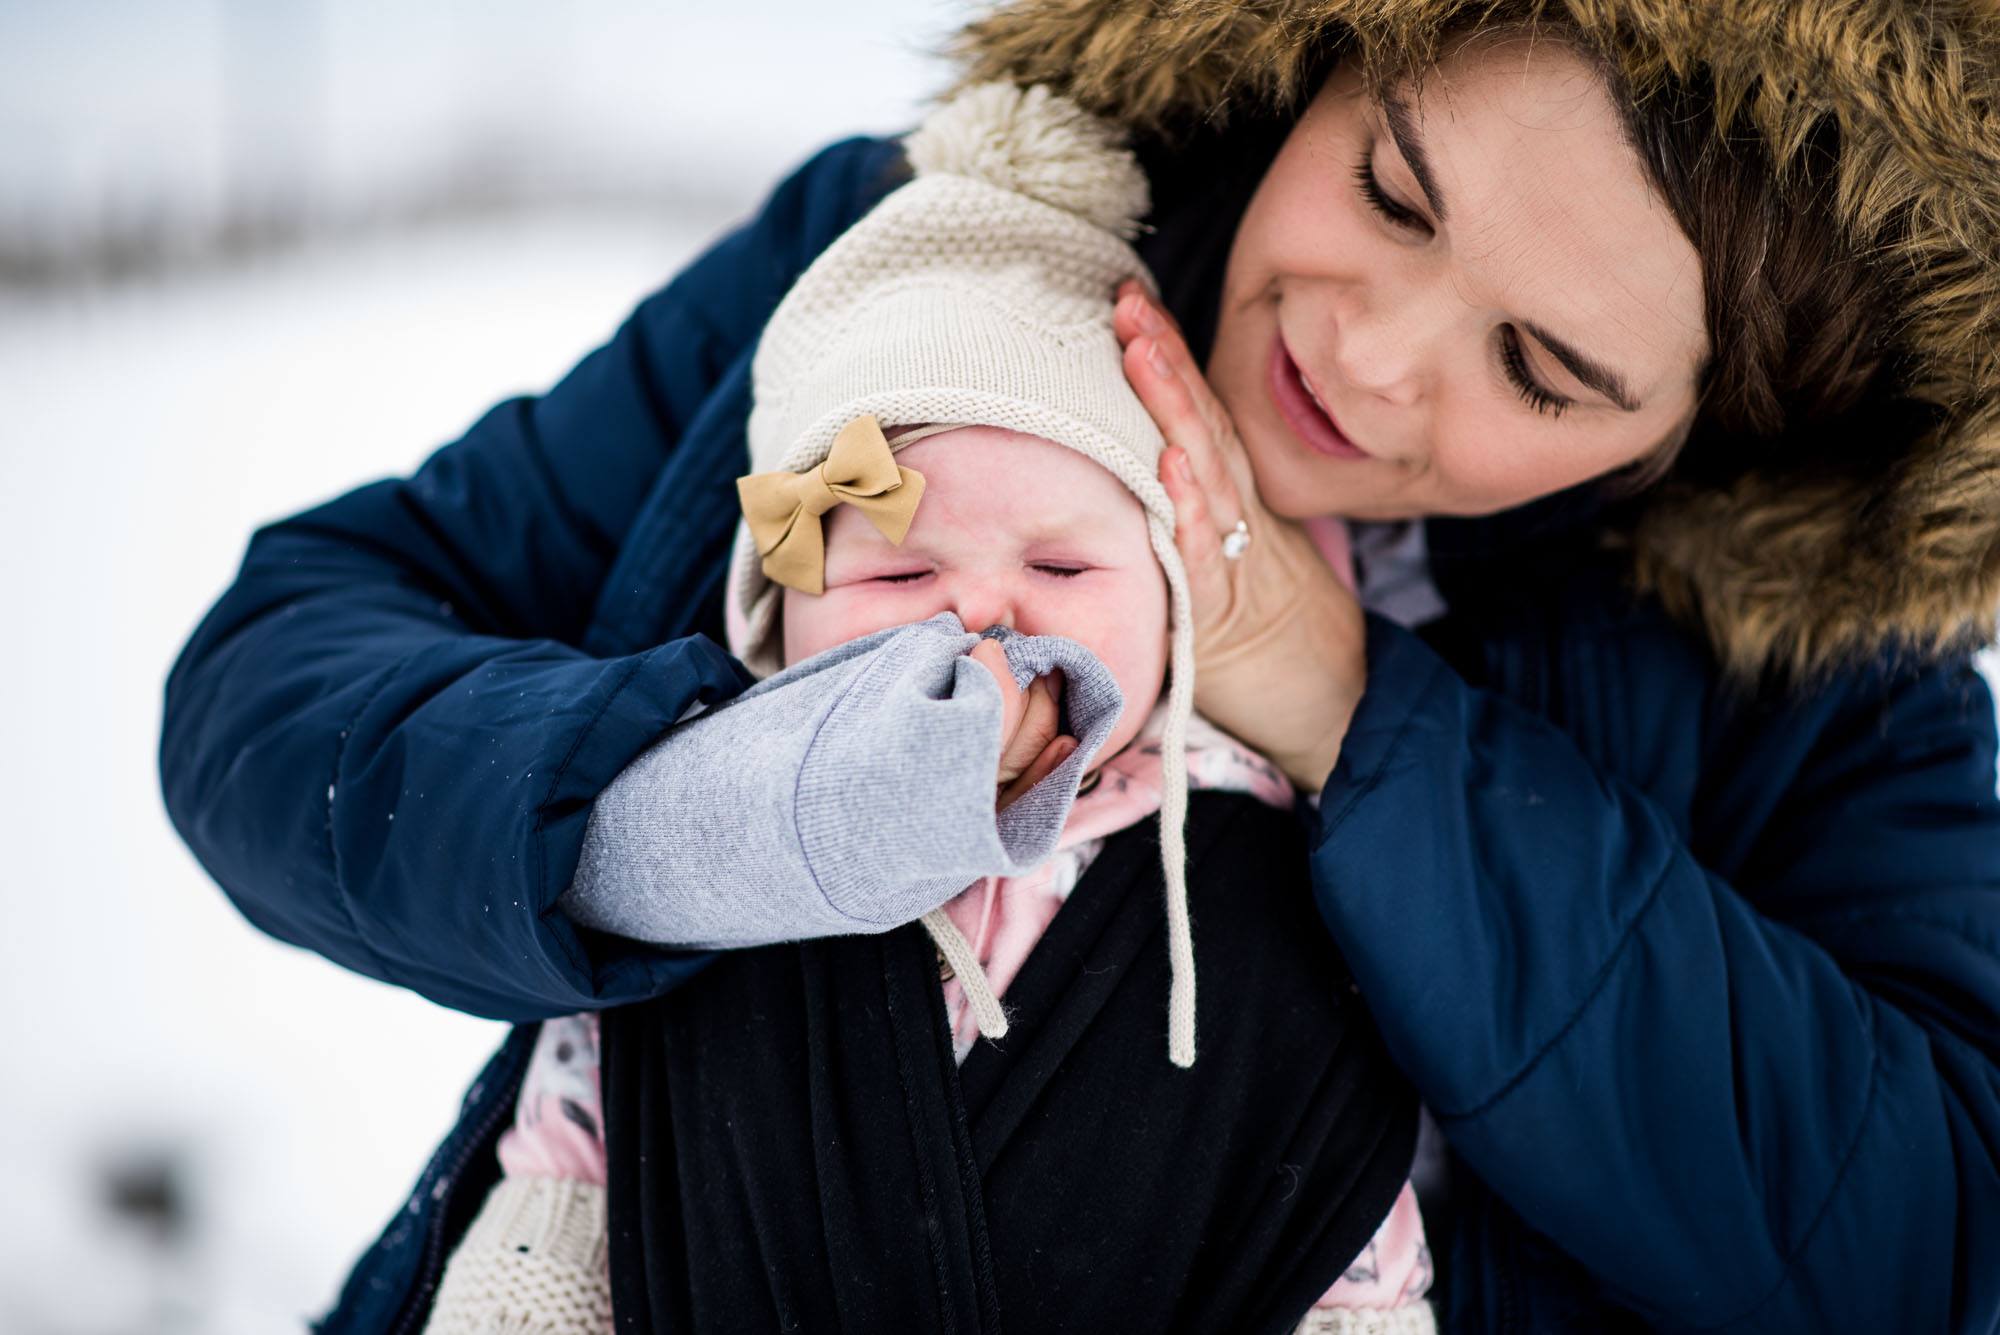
1292 487
1287 490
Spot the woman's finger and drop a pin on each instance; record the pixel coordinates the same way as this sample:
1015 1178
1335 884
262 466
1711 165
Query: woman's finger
1138 316
989 655
1199 542
1217 455
1040 723
1129 315
1040 768
1165 395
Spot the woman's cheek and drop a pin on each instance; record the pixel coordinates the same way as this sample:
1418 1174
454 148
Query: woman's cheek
1498 473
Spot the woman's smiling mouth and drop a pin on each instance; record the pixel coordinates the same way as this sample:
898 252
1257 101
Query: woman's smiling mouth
1302 410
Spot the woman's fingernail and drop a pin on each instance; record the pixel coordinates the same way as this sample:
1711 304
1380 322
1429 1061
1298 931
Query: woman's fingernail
1183 469
1149 319
1158 361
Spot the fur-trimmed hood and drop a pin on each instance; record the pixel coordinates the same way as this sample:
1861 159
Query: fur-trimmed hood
1783 572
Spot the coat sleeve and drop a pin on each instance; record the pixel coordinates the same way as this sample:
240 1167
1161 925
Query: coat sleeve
384 740
852 792
1763 1106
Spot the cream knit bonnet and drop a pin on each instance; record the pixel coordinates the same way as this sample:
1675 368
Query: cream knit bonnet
980 293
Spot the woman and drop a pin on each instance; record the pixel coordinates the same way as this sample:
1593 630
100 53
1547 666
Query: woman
1663 856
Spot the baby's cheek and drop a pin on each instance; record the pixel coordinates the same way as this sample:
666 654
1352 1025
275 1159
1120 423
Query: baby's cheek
1127 628
814 625
811 624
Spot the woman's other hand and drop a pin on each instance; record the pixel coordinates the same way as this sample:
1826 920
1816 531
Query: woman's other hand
1032 742
1279 641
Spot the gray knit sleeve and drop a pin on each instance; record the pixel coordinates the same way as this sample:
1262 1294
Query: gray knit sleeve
852 792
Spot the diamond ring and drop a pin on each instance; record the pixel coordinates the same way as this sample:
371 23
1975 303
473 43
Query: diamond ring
1236 542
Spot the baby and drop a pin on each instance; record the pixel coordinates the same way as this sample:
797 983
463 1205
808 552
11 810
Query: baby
979 672
1069 555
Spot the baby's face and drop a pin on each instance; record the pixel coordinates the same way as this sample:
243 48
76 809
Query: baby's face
1015 531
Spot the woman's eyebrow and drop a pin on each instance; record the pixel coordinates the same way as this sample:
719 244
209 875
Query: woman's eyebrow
1591 372
1403 129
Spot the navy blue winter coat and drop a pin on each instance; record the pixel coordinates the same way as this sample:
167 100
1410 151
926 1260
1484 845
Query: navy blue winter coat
1703 985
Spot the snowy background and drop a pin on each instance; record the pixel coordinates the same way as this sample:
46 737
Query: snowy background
253 253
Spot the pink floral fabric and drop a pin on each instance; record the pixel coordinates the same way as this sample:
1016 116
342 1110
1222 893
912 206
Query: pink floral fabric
558 1128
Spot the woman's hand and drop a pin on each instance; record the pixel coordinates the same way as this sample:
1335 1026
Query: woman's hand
1032 742
1279 642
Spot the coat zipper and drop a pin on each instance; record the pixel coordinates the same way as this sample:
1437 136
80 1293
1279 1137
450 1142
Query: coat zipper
1510 1310
442 1191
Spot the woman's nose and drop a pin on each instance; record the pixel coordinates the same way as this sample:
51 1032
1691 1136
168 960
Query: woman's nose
1387 344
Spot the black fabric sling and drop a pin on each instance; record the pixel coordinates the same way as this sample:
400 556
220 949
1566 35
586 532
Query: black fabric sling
792 1148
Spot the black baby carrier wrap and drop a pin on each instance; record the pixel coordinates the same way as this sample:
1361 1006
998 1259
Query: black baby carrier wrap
792 1147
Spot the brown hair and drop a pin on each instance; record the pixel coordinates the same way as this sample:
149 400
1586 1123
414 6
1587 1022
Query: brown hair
1794 314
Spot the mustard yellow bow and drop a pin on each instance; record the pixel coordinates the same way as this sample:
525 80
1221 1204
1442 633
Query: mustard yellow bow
783 509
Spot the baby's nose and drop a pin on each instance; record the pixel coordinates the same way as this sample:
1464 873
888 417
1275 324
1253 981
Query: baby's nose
981 606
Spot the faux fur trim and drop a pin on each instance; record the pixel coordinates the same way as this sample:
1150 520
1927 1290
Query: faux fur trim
1781 574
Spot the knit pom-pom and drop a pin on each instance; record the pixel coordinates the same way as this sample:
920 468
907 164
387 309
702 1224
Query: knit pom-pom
1039 144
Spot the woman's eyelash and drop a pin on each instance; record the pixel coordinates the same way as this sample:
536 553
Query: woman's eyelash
1517 371
1541 400
1371 190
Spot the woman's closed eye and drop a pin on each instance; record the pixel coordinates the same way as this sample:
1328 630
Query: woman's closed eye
1512 360
1378 198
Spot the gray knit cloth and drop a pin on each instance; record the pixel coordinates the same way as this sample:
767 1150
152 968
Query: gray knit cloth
851 792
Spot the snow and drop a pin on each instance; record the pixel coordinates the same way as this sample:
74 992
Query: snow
268 1111
147 127
149 429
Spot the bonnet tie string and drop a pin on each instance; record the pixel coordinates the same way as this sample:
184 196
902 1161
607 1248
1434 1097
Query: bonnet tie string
964 963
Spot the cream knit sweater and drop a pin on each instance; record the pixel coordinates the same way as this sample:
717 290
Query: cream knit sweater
533 1263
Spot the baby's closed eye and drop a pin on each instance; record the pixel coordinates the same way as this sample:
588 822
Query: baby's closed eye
1053 569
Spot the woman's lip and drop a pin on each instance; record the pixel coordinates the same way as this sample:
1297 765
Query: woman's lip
1295 404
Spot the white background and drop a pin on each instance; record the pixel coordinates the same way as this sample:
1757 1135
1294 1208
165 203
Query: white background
482 192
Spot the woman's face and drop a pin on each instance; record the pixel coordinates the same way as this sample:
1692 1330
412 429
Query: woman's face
1408 331
1014 531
